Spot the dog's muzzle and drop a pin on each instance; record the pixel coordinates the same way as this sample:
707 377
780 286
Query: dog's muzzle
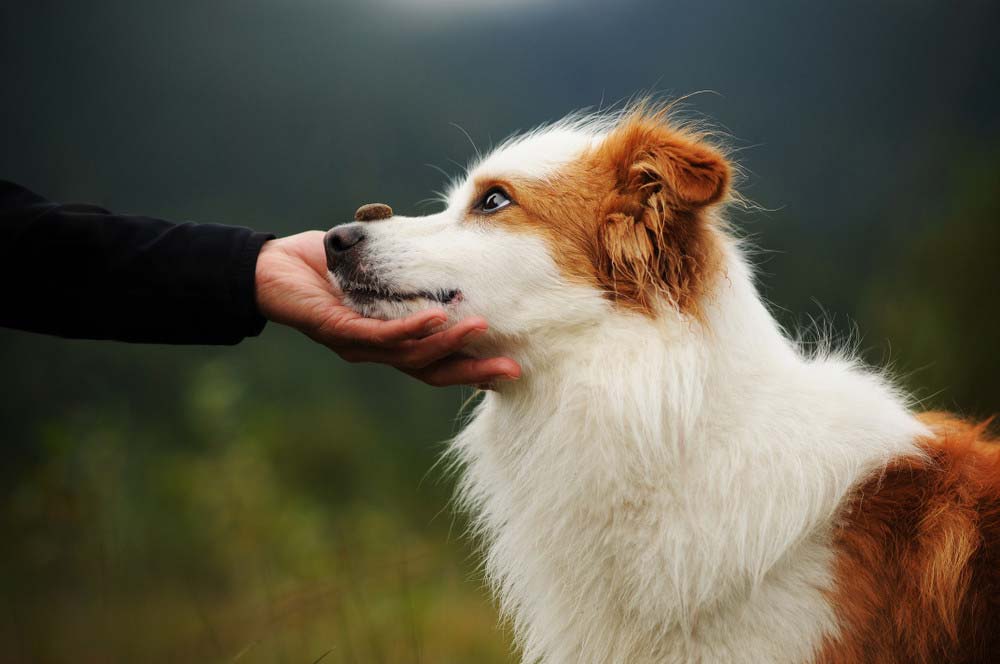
341 241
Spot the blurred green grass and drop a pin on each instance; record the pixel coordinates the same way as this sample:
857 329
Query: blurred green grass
259 543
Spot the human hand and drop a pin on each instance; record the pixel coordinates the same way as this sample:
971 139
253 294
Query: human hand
292 289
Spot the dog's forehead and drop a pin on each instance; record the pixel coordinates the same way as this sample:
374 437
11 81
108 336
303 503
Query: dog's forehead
535 155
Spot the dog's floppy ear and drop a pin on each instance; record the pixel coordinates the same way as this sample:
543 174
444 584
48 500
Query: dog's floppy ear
654 238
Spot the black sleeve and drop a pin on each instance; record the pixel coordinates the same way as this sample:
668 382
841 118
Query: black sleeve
81 271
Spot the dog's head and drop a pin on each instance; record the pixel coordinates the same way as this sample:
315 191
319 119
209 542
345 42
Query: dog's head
557 227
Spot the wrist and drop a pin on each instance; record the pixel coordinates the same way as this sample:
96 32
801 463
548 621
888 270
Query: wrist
243 283
260 280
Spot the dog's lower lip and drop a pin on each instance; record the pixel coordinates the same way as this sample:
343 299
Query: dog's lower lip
370 293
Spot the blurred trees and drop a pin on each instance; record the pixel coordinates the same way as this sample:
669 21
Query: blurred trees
936 298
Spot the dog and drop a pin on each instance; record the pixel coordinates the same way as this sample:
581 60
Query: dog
673 479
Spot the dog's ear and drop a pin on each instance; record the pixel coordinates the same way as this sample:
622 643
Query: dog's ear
654 237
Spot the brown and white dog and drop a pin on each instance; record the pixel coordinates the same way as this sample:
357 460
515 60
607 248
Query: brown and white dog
673 479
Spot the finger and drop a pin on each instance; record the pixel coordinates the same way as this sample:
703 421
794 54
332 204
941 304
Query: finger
421 353
414 354
394 356
357 329
468 371
356 353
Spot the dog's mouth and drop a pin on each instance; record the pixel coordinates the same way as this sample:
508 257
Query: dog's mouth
367 293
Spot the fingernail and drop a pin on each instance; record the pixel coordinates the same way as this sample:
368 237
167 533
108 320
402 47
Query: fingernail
505 377
473 334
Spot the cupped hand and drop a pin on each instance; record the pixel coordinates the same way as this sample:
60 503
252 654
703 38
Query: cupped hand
292 289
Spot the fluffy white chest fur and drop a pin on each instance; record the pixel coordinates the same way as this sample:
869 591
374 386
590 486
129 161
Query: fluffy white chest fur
656 493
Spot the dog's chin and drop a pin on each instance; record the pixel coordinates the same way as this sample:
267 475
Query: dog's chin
387 302
388 309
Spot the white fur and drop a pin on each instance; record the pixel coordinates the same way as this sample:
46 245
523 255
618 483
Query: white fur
653 489
536 154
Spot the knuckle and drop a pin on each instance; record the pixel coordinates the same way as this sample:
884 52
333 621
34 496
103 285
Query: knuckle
415 357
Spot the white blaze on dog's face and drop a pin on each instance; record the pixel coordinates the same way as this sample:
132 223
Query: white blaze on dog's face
555 228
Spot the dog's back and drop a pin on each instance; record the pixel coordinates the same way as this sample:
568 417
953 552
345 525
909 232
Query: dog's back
918 564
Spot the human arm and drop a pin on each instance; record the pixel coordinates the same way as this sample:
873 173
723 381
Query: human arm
81 271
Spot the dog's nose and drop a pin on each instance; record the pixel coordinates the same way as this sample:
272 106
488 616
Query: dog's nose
340 239
373 212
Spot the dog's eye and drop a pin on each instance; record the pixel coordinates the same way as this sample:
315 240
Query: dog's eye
494 199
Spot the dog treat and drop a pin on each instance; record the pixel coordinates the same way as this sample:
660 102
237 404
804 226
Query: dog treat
373 212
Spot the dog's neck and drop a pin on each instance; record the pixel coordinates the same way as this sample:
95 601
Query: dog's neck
667 472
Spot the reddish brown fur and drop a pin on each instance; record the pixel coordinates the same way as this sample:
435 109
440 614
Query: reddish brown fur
630 217
918 556
654 236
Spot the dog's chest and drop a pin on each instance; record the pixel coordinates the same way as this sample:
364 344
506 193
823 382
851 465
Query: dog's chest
594 568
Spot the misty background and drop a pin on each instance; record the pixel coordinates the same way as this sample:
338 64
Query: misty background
271 503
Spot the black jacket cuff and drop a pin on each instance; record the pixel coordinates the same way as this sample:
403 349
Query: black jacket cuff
243 282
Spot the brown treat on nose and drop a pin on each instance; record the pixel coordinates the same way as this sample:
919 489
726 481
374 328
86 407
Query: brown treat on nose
373 212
